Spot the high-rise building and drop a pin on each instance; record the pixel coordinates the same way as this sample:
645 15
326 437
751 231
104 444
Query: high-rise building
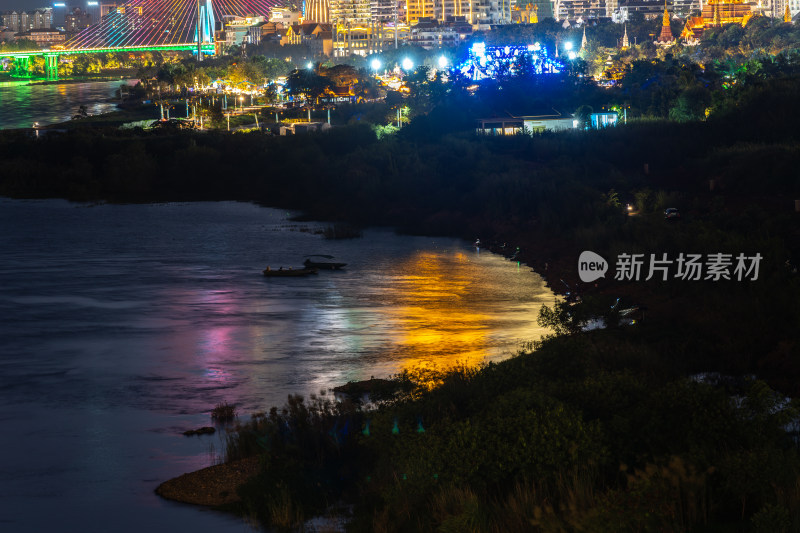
351 12
60 12
93 10
476 12
651 9
41 19
108 6
77 20
11 20
384 10
318 11
584 9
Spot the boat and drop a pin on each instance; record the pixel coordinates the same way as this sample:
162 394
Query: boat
288 272
323 265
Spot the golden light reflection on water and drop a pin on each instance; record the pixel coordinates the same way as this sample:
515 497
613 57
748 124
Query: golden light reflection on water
452 309
430 309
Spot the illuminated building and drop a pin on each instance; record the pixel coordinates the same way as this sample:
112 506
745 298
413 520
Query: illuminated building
237 30
108 7
39 19
11 20
574 9
286 16
59 14
351 21
352 12
480 13
318 37
385 11
527 15
364 27
417 9
517 125
429 33
44 38
554 121
77 20
93 10
684 8
318 11
716 13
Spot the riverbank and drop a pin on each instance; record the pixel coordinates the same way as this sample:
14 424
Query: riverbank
214 486
118 74
591 427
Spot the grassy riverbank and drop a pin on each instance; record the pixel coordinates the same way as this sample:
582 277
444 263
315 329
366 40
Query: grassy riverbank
610 430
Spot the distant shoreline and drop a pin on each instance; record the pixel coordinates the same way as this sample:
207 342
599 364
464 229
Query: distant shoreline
123 74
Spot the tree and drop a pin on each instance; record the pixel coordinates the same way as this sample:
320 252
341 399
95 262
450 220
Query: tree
584 116
691 104
307 83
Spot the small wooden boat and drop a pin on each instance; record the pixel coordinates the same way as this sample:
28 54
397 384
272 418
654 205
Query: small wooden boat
324 265
288 272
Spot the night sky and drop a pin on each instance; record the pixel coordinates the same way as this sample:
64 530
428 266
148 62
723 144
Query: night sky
30 5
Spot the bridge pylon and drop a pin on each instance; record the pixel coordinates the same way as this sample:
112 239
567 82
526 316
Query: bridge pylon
204 30
23 63
51 66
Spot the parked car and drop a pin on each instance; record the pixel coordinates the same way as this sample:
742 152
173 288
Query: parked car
671 213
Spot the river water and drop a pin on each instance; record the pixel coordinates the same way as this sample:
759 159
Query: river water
22 103
122 326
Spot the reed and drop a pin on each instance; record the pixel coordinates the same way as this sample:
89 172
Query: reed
224 412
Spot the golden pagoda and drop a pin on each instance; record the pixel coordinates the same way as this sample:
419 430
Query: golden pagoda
665 37
787 15
717 13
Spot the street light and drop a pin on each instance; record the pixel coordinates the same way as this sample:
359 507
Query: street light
568 46
241 103
309 65
442 61
376 64
572 55
407 64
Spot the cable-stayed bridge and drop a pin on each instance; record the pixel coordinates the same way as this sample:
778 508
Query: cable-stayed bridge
150 25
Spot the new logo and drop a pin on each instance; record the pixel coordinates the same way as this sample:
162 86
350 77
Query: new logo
591 266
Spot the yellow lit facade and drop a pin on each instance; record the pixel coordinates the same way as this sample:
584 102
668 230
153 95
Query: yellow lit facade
717 13
351 12
440 10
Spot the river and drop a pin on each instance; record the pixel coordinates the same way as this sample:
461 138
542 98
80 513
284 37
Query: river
123 325
22 103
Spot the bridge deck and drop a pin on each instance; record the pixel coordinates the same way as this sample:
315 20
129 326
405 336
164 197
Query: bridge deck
144 48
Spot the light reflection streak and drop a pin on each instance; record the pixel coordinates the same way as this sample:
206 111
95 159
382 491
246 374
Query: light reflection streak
443 317
428 309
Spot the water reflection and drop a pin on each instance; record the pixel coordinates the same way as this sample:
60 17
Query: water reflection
446 314
24 103
124 325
